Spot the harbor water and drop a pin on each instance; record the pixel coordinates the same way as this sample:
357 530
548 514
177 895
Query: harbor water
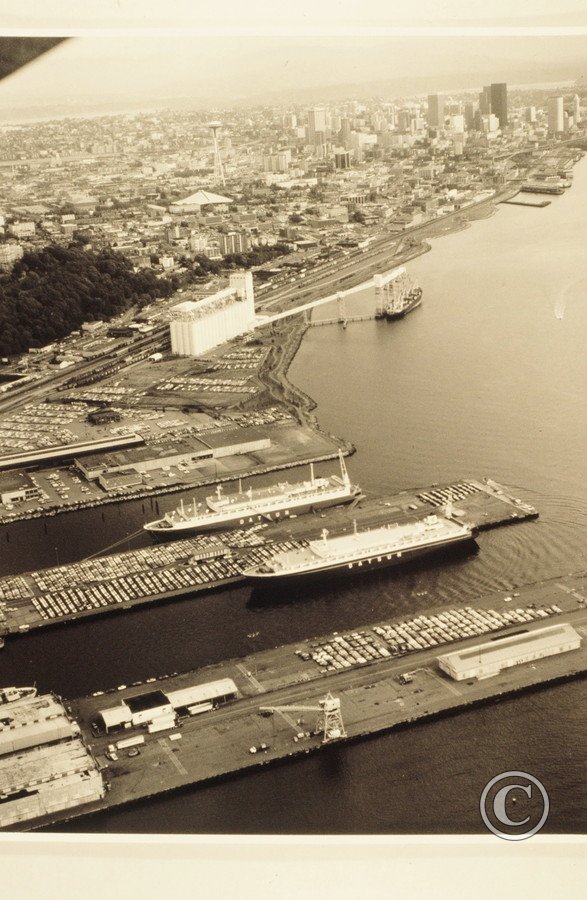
487 377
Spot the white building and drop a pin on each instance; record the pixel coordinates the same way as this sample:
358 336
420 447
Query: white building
457 124
199 325
488 659
195 203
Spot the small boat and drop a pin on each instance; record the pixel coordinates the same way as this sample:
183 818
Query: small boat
12 694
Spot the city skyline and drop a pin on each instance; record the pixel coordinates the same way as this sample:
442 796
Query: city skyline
138 73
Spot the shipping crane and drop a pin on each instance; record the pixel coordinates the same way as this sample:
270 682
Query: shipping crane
330 724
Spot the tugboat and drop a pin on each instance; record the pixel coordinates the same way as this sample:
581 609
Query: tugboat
12 694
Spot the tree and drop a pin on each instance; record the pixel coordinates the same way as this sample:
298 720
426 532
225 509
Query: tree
50 292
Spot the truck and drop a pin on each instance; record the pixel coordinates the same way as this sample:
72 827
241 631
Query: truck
163 723
130 742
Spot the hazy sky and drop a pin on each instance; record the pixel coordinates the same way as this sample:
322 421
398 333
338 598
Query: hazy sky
293 14
119 67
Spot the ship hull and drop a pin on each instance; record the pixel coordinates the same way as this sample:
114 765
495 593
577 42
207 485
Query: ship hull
408 308
364 565
246 521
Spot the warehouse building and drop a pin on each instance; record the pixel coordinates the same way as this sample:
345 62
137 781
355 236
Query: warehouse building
214 692
17 486
45 779
67 451
199 325
146 709
29 723
488 659
172 452
44 764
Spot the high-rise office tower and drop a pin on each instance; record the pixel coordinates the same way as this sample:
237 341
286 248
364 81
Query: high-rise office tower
457 124
342 159
499 103
470 116
345 131
556 115
485 101
404 118
576 109
436 110
316 125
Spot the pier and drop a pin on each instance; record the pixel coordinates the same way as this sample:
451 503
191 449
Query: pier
190 566
347 320
542 187
379 685
536 204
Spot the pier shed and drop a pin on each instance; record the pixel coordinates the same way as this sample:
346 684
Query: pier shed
32 722
135 711
45 780
213 692
488 659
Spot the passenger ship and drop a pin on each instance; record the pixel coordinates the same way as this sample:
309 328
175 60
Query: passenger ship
361 551
249 507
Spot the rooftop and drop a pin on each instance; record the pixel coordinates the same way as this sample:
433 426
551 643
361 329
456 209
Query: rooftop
501 649
203 198
44 764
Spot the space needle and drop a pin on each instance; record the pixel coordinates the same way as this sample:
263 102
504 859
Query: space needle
218 167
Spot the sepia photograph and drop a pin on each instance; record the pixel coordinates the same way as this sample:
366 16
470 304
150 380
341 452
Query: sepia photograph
293 503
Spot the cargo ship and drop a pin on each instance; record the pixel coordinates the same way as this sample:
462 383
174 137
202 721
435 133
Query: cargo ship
362 551
12 694
403 295
248 507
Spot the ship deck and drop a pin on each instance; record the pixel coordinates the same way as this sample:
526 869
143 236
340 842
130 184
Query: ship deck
217 743
120 581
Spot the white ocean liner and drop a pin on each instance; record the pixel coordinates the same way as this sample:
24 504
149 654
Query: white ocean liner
361 551
248 507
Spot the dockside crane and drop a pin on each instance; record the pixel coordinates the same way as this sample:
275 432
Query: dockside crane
330 724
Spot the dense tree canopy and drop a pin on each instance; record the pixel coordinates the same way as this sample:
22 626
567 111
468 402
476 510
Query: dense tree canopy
258 256
50 292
